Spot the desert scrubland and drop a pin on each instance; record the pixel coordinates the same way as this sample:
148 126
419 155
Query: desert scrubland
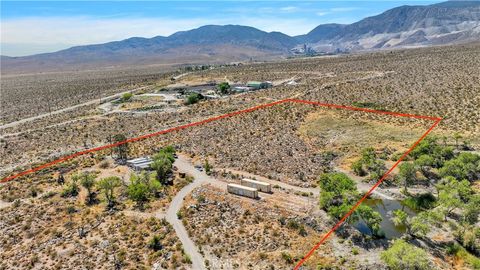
431 198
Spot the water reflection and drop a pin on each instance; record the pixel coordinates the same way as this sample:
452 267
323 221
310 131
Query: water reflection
385 208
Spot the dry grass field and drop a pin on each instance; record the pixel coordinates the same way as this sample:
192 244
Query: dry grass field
422 81
27 95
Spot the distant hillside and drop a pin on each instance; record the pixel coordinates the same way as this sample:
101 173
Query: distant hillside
444 23
405 26
211 43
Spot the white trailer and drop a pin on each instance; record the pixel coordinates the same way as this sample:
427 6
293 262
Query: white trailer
260 186
242 191
139 164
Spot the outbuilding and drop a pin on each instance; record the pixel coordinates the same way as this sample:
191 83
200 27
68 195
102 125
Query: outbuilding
242 191
259 85
140 164
260 186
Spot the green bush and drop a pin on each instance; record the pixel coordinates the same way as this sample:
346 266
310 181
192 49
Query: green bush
223 87
155 243
71 190
402 255
287 257
193 98
422 201
126 97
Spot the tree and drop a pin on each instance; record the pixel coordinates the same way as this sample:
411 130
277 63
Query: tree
369 163
464 166
336 182
417 226
163 166
402 255
169 149
108 186
166 152
444 183
449 201
72 189
371 218
471 211
163 163
425 162
357 168
338 194
121 147
420 224
88 181
450 184
400 218
138 192
224 88
407 174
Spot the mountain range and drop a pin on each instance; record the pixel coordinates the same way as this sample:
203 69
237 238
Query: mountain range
404 26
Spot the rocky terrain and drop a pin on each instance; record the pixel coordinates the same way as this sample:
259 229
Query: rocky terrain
404 81
290 144
51 232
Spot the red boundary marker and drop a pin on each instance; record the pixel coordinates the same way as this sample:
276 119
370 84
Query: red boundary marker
339 223
227 115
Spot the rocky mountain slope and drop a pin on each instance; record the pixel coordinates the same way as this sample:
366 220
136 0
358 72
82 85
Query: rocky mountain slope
443 23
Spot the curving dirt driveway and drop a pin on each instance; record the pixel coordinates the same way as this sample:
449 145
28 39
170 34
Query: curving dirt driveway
200 178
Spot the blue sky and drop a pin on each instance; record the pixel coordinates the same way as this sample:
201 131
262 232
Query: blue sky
36 27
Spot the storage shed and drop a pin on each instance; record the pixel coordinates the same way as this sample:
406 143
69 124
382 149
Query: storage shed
259 85
242 191
260 186
139 164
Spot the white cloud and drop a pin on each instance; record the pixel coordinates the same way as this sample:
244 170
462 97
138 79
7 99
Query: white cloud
322 13
35 35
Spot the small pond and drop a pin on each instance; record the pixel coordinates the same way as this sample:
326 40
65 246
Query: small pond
385 208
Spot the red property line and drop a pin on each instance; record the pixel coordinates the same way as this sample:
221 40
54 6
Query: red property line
365 110
49 164
324 238
76 154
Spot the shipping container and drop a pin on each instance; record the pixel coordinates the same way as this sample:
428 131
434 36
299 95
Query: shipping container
260 186
242 191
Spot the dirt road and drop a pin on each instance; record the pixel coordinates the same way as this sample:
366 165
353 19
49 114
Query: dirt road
91 102
200 178
314 191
